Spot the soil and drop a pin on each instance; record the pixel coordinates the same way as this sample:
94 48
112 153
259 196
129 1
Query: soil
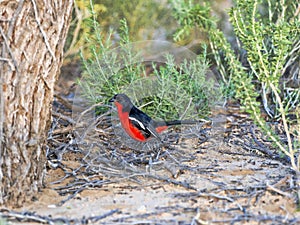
224 182
232 186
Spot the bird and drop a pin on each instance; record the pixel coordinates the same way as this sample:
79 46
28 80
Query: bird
137 124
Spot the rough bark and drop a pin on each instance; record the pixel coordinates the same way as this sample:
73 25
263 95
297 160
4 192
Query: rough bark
32 36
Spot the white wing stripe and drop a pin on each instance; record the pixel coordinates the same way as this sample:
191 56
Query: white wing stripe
139 122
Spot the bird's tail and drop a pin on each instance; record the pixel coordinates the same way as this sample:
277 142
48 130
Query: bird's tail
180 122
163 125
175 122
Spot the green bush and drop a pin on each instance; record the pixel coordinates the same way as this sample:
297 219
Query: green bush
171 91
269 34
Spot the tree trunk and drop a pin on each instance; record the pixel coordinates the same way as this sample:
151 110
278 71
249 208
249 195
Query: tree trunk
32 37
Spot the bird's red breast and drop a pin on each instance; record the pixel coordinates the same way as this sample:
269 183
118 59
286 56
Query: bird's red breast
131 130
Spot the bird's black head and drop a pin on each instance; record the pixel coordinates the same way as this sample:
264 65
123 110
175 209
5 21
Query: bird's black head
122 99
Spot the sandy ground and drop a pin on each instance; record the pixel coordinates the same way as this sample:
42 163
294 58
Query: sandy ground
226 185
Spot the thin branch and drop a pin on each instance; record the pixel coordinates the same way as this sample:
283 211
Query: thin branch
33 217
272 188
290 151
64 117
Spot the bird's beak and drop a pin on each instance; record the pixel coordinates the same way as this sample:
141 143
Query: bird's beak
112 99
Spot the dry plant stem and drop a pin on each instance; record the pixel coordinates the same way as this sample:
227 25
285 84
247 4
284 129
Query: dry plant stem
88 110
272 188
64 117
290 151
189 105
264 70
265 101
293 56
33 217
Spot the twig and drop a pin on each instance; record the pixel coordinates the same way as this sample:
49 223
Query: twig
88 110
186 109
290 151
172 181
64 117
83 186
201 194
272 188
33 217
63 130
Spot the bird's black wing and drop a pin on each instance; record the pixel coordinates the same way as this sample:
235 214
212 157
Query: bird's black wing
143 122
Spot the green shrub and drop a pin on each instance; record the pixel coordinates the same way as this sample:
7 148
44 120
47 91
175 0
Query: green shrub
269 34
171 91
